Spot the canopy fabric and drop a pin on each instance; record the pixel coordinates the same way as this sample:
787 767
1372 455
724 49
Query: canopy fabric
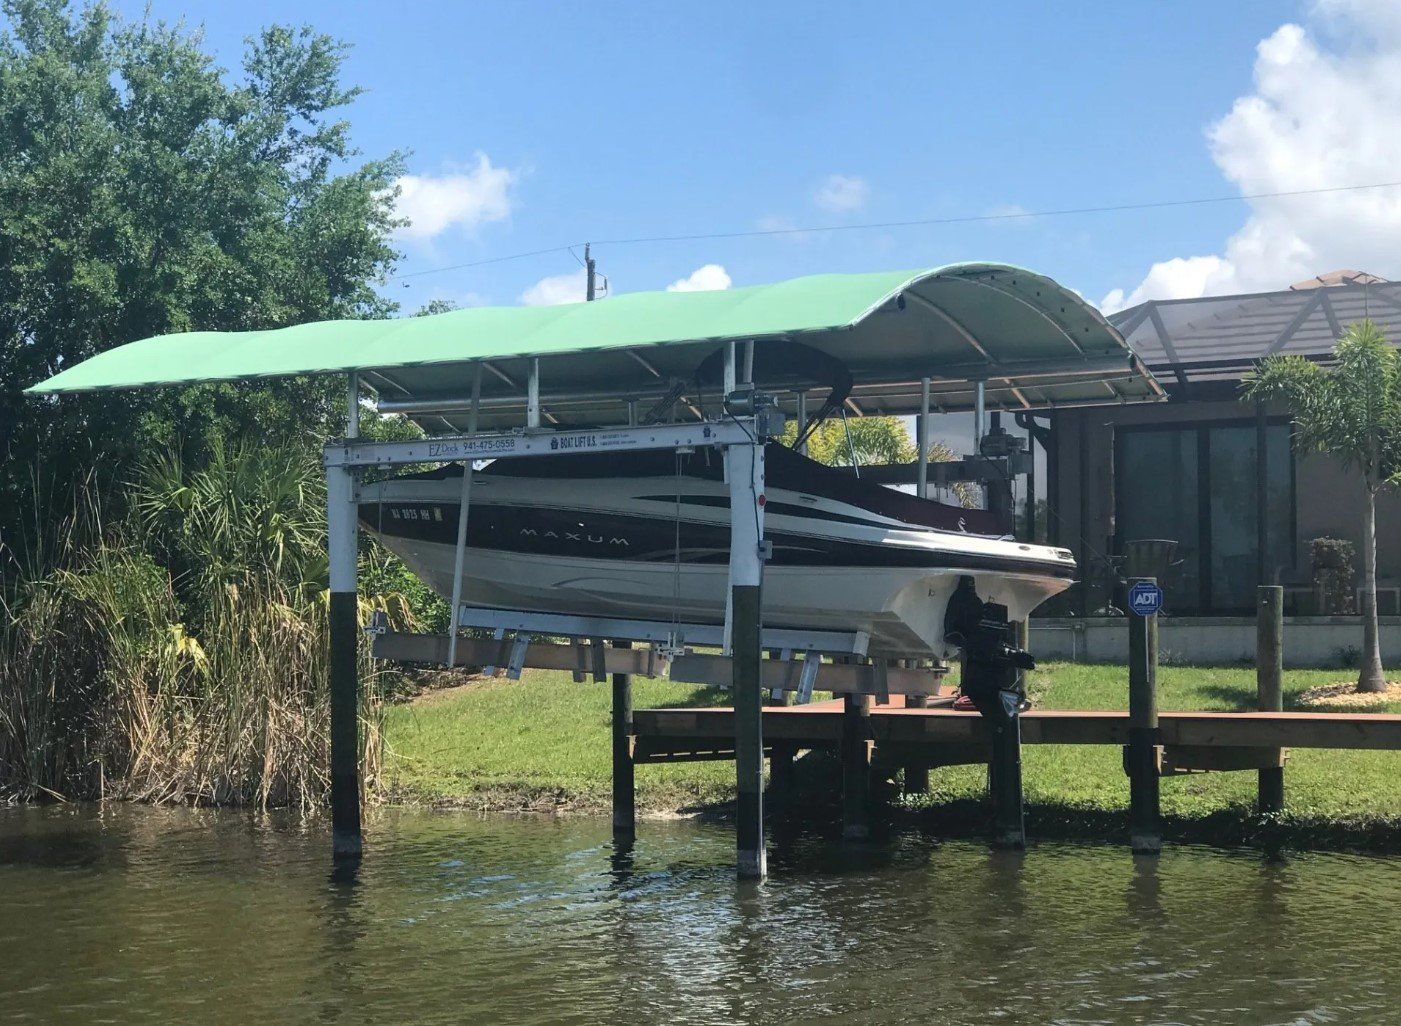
953 323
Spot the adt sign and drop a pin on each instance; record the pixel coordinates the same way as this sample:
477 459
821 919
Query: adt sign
1145 598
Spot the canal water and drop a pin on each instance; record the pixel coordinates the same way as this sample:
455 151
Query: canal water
175 915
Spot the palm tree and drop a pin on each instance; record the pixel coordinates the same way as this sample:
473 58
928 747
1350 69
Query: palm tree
1353 413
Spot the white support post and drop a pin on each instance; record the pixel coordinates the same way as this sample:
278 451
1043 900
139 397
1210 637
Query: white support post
731 365
464 506
748 363
922 437
979 415
532 395
980 427
352 407
746 475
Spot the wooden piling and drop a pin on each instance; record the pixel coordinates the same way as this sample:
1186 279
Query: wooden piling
1005 783
1141 755
781 756
916 773
856 767
624 784
1269 684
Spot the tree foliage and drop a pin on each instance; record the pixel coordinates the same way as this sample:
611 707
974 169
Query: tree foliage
1352 412
145 190
874 440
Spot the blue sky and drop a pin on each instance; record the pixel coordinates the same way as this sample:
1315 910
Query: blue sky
532 125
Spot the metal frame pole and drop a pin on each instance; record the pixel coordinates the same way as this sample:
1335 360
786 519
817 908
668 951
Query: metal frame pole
802 421
746 467
463 509
979 415
1262 495
532 395
344 683
922 438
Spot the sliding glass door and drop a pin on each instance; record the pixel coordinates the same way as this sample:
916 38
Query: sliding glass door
1197 486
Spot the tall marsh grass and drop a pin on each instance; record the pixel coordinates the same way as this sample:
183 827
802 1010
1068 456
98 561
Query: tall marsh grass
179 652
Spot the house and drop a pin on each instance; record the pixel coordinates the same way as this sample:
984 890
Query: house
1218 477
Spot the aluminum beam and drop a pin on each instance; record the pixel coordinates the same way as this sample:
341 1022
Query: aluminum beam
502 444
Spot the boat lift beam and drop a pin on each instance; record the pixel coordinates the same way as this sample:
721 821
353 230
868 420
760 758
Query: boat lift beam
547 442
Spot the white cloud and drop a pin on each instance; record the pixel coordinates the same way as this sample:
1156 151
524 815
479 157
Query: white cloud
710 278
459 199
842 194
557 289
1325 112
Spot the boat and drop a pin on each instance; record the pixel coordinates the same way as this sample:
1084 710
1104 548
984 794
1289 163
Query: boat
645 535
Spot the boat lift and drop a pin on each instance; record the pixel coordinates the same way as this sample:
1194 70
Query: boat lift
980 337
740 437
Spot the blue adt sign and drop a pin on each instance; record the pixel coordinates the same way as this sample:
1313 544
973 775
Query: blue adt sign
1145 599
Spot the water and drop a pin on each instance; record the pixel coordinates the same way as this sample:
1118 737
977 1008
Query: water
159 915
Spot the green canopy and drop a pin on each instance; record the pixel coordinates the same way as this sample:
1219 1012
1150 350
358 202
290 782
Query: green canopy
1035 342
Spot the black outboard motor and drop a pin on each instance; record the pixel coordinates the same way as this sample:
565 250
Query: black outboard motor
992 680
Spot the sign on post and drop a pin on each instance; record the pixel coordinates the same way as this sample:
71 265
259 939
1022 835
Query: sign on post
1145 598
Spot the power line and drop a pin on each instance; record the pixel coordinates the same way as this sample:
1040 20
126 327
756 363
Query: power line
482 263
922 222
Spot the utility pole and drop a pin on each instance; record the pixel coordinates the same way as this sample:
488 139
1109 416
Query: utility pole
589 277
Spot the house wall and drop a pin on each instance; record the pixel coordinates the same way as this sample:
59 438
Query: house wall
1328 498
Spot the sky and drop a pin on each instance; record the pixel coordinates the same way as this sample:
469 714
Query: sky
532 126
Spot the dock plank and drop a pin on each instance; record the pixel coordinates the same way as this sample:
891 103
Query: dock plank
821 724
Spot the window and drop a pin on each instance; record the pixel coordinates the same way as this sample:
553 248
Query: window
1196 486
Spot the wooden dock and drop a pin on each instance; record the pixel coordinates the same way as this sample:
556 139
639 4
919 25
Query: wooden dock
669 735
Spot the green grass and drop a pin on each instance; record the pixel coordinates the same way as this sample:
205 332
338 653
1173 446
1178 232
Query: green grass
543 743
539 743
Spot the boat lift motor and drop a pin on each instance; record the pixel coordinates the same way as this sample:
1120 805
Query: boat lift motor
747 401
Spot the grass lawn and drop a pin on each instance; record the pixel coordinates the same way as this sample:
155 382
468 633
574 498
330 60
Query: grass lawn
543 743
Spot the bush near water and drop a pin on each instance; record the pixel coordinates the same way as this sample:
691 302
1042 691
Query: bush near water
178 651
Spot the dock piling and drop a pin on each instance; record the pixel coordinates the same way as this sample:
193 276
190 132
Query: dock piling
344 672
856 767
781 755
916 773
1269 677
624 787
1141 756
1005 781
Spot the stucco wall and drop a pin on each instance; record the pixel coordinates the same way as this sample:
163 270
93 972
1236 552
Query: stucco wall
1319 641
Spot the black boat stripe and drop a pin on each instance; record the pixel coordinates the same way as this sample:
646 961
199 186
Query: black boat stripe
543 531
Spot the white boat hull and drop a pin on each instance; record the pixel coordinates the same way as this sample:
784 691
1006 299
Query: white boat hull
654 547
902 610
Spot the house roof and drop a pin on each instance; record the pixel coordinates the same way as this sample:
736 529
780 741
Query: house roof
1035 342
1218 340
